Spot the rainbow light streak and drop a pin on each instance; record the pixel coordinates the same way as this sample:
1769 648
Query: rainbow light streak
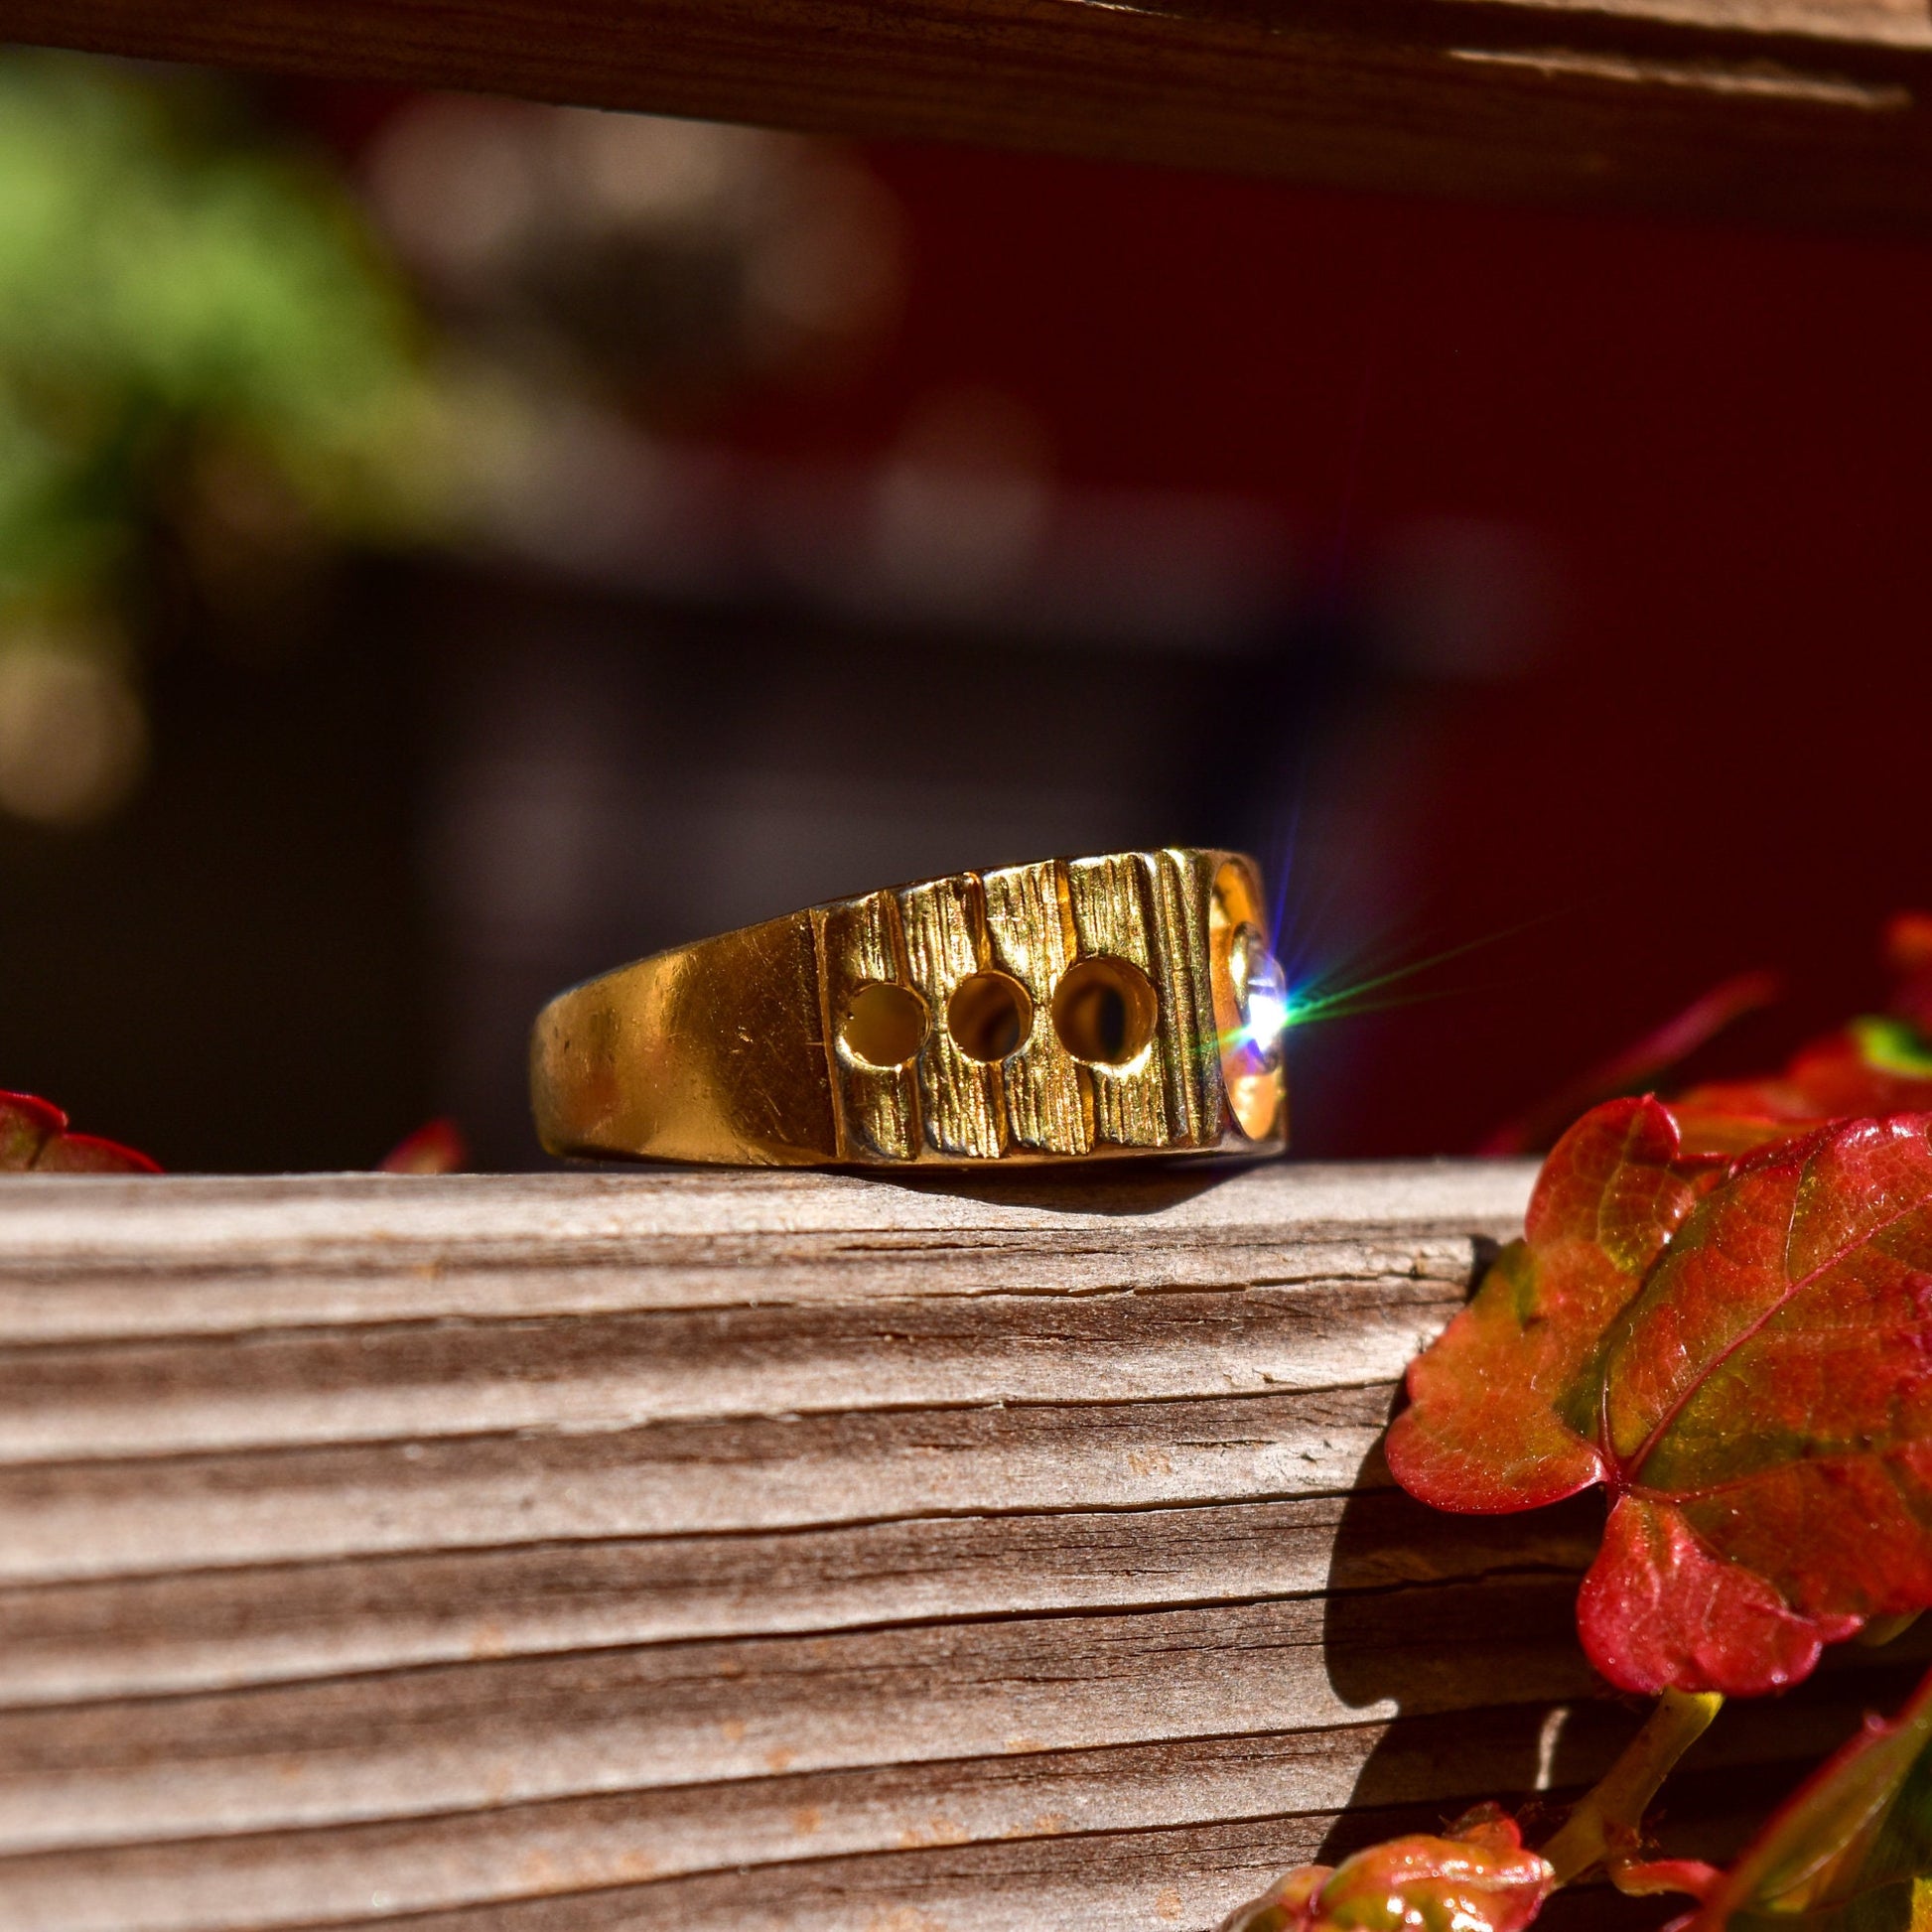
1341 991
1321 999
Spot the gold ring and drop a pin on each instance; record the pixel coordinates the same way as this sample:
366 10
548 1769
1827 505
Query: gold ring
1071 1010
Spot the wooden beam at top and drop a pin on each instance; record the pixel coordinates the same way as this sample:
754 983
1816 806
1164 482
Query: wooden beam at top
1805 110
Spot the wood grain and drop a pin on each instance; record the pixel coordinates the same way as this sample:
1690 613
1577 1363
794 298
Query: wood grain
767 1550
1791 109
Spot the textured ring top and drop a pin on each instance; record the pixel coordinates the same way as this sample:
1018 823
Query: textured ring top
1077 1009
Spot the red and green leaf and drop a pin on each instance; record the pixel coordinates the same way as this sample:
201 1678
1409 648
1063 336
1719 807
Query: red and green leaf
1878 1063
1495 1422
1850 1852
1742 1359
1477 1878
34 1137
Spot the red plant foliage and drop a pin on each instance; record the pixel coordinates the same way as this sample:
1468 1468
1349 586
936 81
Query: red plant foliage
1477 1878
34 1137
1849 1851
1878 1063
1741 1356
437 1147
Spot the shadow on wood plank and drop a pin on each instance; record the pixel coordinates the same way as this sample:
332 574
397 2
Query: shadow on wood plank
1414 1593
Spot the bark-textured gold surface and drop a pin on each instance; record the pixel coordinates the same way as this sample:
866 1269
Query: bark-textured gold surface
864 945
1030 928
945 943
1110 921
732 1050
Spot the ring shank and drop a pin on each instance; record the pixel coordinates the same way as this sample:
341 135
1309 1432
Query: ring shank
715 1052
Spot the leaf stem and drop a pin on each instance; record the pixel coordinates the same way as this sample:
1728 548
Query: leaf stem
1609 1816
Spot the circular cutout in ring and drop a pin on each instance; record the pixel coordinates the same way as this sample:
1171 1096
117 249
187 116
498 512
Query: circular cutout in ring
1104 1010
885 1025
989 1016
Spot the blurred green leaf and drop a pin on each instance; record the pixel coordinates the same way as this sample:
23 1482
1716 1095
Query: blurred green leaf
163 286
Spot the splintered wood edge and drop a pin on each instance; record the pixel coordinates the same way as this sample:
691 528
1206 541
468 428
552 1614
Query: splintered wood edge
99 1257
1809 110
65 1218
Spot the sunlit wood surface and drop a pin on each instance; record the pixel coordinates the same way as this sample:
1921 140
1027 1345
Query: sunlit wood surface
754 1551
1806 109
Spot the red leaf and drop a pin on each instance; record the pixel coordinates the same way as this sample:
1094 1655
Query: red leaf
1658 1609
1487 1430
26 1126
437 1147
1749 1376
1875 1065
34 1137
1475 1878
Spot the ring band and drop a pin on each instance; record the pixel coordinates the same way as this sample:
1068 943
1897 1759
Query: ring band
1076 1008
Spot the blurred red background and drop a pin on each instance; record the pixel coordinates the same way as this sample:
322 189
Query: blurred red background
1709 450
1570 654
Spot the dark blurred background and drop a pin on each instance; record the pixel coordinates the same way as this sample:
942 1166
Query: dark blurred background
448 547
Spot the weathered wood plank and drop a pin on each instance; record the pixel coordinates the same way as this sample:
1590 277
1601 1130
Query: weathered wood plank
1300 1783
219 1256
494 1732
273 1505
755 1549
1812 109
617 1371
204 1629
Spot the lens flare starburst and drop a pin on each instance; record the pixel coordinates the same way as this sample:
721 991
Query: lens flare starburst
1262 1000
